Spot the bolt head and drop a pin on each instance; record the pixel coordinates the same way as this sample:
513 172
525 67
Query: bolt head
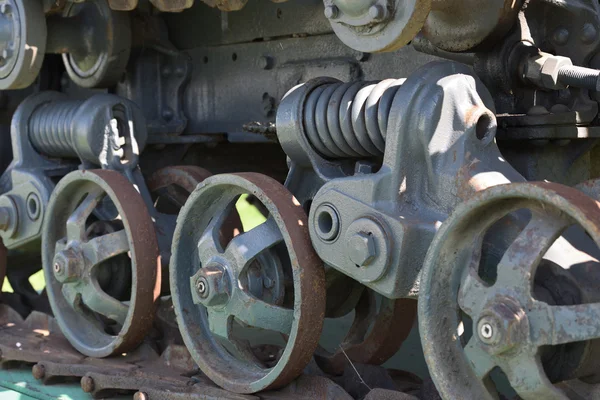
87 384
140 396
502 327
67 265
332 12
38 371
211 286
377 12
362 249
5 8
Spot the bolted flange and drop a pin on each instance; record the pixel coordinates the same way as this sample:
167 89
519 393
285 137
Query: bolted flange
211 285
502 326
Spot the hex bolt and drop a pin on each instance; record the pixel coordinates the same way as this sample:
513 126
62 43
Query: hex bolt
38 371
580 77
202 287
332 12
67 265
87 384
362 249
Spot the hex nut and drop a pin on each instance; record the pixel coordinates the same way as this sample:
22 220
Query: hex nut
361 249
217 288
509 327
67 265
549 72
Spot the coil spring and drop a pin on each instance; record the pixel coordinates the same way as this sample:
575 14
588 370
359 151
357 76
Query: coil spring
349 120
50 128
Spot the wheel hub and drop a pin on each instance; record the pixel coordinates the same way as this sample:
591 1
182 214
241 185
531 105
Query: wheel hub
502 326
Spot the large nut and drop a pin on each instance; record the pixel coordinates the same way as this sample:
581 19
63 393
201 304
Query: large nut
210 286
502 326
67 265
361 249
549 74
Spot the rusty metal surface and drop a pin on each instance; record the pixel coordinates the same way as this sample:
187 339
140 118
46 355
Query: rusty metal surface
187 177
143 250
510 326
143 373
199 222
375 335
463 25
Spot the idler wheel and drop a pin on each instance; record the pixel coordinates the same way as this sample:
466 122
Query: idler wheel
267 278
378 330
510 327
94 322
22 42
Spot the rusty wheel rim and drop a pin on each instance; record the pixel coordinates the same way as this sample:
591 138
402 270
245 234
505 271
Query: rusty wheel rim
195 220
184 176
391 324
509 324
75 190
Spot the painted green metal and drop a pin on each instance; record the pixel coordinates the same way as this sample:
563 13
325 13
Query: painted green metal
72 258
510 325
210 283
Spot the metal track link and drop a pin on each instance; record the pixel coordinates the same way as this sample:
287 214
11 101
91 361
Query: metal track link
144 373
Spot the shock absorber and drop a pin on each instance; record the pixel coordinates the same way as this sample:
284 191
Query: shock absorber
349 120
98 129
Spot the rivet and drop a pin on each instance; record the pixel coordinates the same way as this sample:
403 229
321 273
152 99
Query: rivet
588 33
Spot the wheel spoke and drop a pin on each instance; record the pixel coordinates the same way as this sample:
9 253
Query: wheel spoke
71 295
76 229
481 362
219 323
244 248
472 292
519 263
260 314
98 301
556 325
529 380
103 247
210 243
